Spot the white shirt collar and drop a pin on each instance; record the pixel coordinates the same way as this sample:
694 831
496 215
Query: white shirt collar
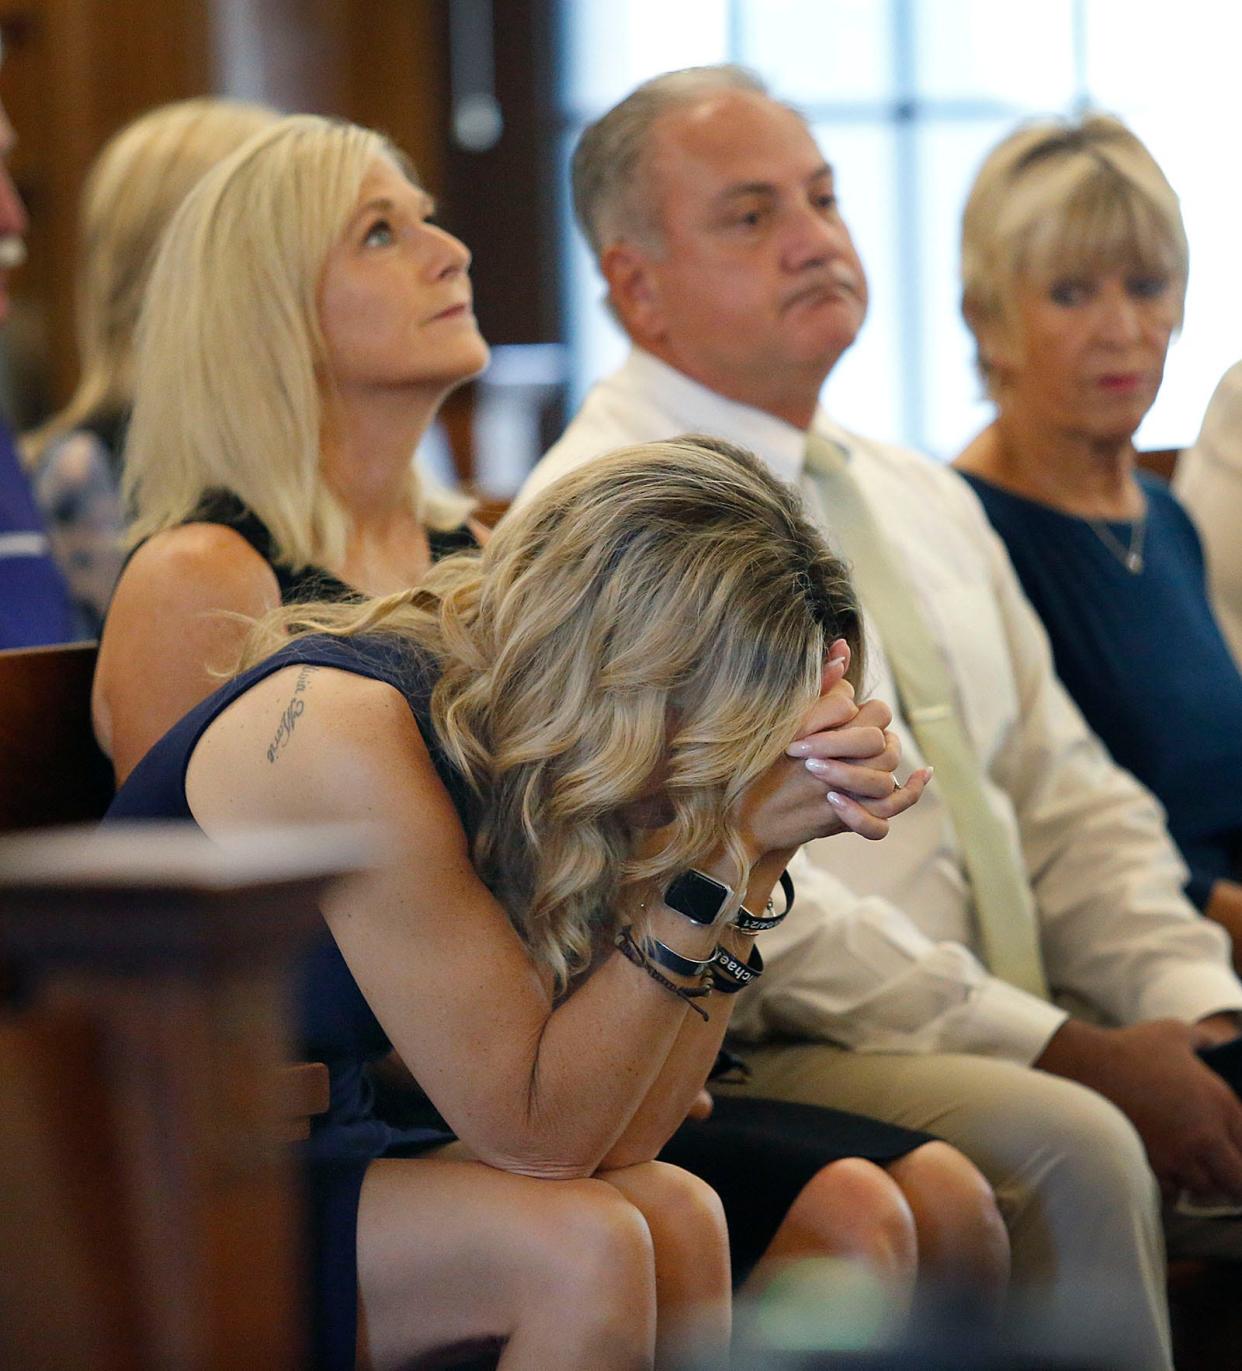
698 409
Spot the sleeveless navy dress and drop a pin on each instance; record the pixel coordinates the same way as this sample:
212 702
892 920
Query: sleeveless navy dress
334 1024
757 1154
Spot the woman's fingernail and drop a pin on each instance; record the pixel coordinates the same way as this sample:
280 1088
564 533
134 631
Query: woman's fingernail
799 749
818 766
837 801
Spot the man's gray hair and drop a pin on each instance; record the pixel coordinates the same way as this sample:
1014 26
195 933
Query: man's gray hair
610 195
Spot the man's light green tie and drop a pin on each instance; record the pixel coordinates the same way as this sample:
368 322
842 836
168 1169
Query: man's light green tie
1004 908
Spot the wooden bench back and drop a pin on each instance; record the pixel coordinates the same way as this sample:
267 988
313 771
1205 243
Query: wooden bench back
51 771
148 1213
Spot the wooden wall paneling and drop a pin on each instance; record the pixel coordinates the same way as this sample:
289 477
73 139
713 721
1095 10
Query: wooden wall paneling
289 53
396 78
74 72
502 200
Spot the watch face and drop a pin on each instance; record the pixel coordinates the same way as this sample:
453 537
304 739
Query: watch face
696 896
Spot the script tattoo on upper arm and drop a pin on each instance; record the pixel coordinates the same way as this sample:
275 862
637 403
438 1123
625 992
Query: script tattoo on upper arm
292 712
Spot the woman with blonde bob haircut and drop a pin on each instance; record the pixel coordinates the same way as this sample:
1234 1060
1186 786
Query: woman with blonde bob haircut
1074 279
595 747
139 178
1060 198
303 323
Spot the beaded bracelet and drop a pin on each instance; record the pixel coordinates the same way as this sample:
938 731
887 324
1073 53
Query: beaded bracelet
631 951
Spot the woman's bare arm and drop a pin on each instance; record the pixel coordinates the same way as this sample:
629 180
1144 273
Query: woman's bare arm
165 632
530 1088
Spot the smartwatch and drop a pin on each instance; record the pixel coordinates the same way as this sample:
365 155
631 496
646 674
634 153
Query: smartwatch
702 899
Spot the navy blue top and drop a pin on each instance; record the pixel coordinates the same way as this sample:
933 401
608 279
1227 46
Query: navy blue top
1144 659
335 1022
35 608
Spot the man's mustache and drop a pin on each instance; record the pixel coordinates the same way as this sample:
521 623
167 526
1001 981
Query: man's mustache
832 281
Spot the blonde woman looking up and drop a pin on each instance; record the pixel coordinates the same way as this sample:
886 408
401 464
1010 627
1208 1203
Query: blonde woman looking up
1074 269
595 746
137 181
304 321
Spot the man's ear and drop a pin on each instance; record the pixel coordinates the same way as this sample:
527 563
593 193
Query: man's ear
633 291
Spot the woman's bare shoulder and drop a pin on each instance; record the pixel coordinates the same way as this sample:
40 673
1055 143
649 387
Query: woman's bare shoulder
203 563
315 743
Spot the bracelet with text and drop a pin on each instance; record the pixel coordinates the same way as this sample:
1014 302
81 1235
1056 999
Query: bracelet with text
751 924
730 974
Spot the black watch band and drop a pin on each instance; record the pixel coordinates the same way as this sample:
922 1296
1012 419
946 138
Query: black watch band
729 974
664 956
700 898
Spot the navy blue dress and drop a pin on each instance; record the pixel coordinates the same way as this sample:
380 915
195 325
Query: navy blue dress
1144 659
757 1154
335 1024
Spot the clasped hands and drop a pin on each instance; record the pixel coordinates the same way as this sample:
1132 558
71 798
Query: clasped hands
835 776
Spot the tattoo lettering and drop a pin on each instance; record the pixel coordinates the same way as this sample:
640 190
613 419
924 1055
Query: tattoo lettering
292 712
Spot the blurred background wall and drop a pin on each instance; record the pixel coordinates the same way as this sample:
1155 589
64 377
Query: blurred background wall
488 96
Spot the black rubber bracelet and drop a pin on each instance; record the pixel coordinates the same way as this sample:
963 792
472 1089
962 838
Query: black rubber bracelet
749 923
729 975
787 886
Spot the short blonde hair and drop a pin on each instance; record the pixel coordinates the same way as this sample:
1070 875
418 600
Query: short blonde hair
136 183
1065 196
662 612
230 379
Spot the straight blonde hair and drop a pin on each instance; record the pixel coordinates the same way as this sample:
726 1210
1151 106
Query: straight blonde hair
661 614
231 378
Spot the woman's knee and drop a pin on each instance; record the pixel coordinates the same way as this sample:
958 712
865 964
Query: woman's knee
955 1211
584 1234
853 1208
939 1178
676 1201
590 1250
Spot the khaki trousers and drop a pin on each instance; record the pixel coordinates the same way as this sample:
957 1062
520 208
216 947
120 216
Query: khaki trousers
1069 1171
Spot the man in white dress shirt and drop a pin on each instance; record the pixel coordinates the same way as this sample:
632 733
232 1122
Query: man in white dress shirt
713 217
1208 481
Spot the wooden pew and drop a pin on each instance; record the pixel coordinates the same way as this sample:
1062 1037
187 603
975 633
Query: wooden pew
52 773
147 1213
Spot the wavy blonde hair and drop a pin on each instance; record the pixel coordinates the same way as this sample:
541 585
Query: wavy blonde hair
662 613
136 183
231 385
1060 197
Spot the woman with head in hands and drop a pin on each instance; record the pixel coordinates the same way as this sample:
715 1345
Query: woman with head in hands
579 743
